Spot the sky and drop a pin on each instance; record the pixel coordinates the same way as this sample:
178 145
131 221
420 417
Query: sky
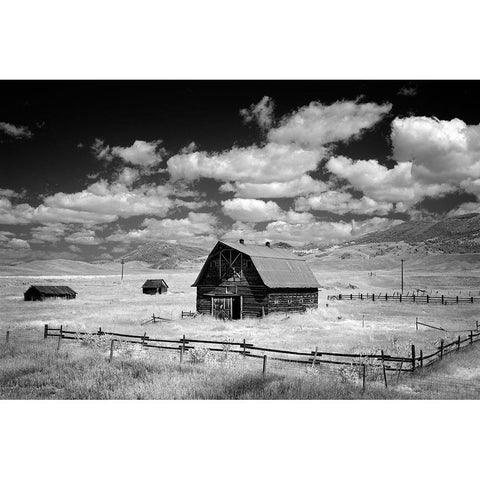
92 169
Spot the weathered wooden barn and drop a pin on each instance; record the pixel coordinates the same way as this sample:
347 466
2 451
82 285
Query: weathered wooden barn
42 292
239 280
152 287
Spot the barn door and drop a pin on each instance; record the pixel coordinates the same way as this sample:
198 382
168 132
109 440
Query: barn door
222 308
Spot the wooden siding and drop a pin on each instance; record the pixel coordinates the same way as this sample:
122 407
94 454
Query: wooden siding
292 300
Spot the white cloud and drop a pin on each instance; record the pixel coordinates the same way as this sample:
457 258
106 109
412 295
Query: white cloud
74 248
128 176
407 91
260 113
316 125
293 188
383 184
251 210
271 163
14 131
9 193
18 243
318 232
83 237
442 151
100 150
52 232
101 202
465 208
141 153
196 225
342 202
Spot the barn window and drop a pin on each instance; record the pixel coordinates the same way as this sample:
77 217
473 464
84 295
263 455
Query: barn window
231 289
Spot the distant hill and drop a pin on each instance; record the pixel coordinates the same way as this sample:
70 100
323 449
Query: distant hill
450 235
166 255
67 267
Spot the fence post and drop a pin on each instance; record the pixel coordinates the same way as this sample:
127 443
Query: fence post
416 323
8 337
413 296
111 351
421 358
442 299
427 298
315 356
471 299
373 297
182 348
263 312
243 347
441 348
457 298
471 336
384 372
99 331
458 343
400 298
351 297
264 369
363 376
386 297
413 358
339 296
399 371
45 330
60 333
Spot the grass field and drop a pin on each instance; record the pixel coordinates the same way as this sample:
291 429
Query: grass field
104 301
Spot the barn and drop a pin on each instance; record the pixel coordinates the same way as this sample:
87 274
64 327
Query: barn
242 280
42 292
152 287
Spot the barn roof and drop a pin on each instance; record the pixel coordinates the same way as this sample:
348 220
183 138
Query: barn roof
155 283
277 268
53 289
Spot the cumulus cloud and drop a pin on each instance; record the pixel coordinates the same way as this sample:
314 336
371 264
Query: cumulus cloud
260 113
299 186
51 233
270 163
320 232
201 226
101 202
128 176
18 243
343 202
383 184
407 91
141 153
251 210
9 193
315 125
14 131
465 208
441 151
83 237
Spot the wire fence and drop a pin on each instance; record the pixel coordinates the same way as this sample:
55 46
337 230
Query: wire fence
398 297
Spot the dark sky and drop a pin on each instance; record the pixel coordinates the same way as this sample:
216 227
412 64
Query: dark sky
61 120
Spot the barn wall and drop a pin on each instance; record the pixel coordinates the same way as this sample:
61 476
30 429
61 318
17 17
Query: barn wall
292 300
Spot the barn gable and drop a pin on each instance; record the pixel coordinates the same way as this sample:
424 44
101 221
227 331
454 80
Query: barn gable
276 267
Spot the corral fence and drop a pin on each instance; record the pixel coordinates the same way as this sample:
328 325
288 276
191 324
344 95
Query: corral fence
443 299
383 363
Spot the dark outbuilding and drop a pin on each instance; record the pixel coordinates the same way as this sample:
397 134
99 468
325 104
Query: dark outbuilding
42 292
152 287
239 280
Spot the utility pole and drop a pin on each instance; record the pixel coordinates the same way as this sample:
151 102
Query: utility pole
402 275
123 261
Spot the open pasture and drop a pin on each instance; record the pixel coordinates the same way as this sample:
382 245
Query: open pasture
106 302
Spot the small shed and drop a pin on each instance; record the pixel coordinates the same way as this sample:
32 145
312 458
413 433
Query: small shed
239 280
152 287
42 292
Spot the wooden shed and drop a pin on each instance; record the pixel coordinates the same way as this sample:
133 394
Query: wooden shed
239 280
42 292
152 287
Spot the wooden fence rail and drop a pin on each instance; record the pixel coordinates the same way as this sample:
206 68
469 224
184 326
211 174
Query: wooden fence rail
444 300
383 361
